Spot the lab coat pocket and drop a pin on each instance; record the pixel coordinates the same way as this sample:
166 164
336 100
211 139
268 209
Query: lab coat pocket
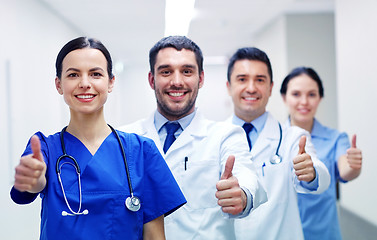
199 184
275 179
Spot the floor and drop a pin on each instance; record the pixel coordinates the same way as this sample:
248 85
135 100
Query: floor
354 227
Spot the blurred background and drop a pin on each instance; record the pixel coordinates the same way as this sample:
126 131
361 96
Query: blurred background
336 37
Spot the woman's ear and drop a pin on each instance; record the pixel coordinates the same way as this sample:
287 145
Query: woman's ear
111 84
58 85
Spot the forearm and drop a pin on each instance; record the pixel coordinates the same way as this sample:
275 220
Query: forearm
345 171
154 230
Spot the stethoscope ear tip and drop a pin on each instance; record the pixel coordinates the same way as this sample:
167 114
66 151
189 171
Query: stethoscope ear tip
65 213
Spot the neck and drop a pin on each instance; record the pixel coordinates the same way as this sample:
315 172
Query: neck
88 128
171 117
248 117
308 125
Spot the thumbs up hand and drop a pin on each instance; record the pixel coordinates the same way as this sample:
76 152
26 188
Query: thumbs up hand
303 163
354 157
231 198
30 172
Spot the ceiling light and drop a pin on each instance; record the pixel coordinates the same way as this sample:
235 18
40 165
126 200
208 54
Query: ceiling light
178 15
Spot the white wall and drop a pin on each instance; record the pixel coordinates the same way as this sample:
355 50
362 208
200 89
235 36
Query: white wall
28 99
356 45
311 43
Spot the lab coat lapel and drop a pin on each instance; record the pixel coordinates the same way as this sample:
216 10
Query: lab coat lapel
148 129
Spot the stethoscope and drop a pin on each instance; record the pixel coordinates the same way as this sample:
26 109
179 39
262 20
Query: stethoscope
132 203
277 158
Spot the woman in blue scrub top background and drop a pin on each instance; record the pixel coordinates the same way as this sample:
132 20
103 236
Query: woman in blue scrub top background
302 91
96 204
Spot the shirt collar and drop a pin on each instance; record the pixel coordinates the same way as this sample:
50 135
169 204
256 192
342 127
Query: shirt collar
258 123
318 130
160 120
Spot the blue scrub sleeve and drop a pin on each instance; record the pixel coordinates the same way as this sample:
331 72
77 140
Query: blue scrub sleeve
163 195
22 197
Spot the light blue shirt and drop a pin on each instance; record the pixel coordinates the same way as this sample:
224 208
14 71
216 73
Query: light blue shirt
160 120
258 125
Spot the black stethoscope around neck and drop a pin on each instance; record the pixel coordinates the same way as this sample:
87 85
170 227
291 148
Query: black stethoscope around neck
132 203
277 158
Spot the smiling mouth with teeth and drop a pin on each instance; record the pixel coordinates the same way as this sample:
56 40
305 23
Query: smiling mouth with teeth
250 98
176 94
85 96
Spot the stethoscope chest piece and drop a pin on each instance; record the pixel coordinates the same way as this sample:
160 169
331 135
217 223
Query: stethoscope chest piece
275 159
133 203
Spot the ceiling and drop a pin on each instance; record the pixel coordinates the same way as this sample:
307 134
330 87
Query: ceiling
129 28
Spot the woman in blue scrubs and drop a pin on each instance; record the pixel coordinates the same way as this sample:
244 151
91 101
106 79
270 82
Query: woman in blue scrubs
91 205
302 91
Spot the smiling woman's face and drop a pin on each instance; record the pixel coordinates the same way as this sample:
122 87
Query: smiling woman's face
84 81
302 99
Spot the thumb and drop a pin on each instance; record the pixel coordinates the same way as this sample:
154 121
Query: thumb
353 141
36 147
301 145
228 168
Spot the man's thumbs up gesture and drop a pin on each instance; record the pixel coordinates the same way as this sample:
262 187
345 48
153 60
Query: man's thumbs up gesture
231 197
303 163
30 172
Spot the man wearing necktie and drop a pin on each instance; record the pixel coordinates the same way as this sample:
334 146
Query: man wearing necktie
298 169
248 127
210 163
171 128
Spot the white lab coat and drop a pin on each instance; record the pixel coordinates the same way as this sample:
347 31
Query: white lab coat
207 145
279 217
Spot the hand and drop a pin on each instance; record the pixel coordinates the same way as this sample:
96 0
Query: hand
303 163
231 198
30 172
354 158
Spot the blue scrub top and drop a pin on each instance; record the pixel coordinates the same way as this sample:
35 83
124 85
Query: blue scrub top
104 188
318 212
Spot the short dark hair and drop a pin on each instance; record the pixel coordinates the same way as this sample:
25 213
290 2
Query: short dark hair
177 42
249 53
80 43
298 71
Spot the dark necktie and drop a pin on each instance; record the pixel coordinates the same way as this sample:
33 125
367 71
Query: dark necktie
248 127
171 128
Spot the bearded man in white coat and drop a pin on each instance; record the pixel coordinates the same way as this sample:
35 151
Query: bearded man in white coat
284 158
209 161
